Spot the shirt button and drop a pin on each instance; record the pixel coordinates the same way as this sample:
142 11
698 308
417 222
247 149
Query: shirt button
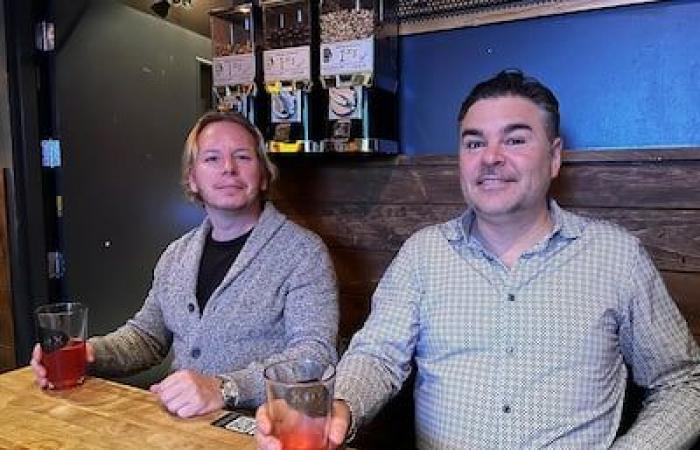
190 307
196 352
506 409
511 297
510 350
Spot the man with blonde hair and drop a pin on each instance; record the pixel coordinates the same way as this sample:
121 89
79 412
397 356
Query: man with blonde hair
245 289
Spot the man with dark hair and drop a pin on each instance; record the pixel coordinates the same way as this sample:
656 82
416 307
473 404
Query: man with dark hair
515 83
521 318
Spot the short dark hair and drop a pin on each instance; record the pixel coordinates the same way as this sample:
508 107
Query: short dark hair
513 82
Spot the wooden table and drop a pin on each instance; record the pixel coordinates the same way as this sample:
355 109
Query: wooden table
100 414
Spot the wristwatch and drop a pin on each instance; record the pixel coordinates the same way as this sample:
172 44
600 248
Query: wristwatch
229 391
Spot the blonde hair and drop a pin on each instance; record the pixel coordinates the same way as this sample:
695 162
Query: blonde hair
189 155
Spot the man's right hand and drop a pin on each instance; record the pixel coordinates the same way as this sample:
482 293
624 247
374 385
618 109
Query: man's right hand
40 371
340 422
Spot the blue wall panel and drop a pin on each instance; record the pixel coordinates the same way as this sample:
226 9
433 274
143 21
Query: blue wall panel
625 77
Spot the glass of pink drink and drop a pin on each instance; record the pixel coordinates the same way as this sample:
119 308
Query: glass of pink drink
62 329
299 398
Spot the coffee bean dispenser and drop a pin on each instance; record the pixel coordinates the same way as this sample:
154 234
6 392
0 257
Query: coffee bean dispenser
290 64
235 61
358 68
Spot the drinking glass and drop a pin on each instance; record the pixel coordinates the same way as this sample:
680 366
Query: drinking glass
299 398
62 329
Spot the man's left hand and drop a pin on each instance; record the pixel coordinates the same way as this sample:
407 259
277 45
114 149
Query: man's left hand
187 393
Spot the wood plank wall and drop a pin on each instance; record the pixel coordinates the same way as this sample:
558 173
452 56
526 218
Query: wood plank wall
7 348
365 206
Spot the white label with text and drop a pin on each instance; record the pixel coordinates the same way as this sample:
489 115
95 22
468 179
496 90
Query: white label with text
292 63
234 69
341 58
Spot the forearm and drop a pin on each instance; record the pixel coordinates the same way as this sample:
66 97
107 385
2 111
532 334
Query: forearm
379 357
127 350
665 359
366 386
670 420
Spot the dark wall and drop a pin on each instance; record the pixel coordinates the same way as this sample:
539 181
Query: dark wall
5 141
625 77
127 93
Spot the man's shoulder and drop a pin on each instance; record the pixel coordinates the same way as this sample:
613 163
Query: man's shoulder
190 235
181 252
595 228
436 233
183 244
291 231
281 229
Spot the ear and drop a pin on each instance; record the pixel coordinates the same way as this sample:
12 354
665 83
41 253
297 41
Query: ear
264 175
555 152
192 182
263 183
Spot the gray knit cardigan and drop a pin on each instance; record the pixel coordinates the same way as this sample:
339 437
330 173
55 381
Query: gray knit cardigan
277 301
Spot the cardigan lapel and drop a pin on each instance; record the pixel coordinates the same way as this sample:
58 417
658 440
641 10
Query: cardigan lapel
193 257
270 222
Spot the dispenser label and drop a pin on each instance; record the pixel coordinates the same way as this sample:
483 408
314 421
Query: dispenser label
234 69
292 63
342 58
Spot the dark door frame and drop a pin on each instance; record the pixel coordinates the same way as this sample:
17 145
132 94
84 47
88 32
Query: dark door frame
30 121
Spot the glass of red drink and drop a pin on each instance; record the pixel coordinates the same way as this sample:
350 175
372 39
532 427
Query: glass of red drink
299 398
62 329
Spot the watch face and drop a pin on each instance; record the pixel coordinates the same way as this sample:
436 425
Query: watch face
229 391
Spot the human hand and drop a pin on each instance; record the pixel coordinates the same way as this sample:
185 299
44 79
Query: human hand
340 423
40 371
187 393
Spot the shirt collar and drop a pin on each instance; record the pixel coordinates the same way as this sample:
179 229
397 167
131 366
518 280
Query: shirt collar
566 225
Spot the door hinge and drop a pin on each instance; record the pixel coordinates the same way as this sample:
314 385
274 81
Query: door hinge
57 265
45 36
51 153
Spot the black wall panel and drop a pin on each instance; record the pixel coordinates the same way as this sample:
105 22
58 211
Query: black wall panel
127 93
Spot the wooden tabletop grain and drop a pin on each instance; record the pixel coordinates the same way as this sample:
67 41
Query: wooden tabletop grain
100 414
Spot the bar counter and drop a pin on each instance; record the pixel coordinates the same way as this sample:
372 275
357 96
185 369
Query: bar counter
100 414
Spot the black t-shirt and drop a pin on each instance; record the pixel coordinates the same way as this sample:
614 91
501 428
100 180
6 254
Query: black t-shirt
217 258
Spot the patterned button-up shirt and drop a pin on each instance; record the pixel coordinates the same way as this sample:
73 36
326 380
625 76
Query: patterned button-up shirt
531 356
